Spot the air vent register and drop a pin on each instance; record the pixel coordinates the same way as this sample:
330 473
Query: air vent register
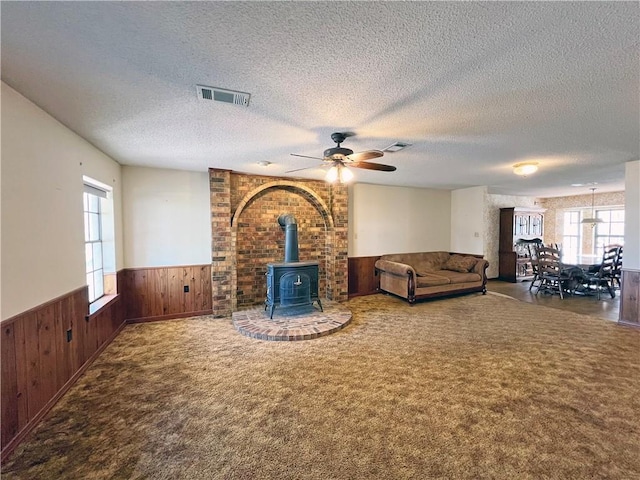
221 95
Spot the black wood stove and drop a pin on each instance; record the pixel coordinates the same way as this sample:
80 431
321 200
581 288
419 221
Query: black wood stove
292 283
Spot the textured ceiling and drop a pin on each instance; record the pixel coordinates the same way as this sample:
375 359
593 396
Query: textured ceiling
475 86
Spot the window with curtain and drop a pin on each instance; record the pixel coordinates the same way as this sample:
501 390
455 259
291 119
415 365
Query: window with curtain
611 230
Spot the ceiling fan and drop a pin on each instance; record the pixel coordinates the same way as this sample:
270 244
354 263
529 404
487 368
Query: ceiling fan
339 158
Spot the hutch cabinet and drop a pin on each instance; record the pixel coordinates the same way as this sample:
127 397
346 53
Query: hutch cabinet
516 223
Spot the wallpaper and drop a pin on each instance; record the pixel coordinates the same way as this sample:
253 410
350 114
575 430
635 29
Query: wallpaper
557 205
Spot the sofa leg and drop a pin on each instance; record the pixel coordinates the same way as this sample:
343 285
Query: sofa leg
484 290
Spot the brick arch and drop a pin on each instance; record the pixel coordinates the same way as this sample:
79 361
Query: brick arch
306 192
327 264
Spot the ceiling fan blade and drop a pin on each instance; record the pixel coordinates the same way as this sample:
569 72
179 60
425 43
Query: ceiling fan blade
323 165
372 166
366 155
306 156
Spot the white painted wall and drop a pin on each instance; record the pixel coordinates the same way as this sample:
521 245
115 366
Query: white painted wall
632 216
42 236
167 220
467 220
385 219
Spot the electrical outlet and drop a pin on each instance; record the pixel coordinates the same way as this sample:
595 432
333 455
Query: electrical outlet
69 335
186 289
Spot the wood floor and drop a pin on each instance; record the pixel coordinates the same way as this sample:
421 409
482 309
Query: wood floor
606 307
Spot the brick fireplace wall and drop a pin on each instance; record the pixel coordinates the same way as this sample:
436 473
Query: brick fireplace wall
246 235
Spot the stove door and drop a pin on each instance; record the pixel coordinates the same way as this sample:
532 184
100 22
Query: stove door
295 289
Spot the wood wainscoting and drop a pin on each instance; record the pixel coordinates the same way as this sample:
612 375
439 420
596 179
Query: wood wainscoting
44 351
630 297
362 276
160 293
47 348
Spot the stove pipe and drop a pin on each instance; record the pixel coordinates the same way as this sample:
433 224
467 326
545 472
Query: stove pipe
288 221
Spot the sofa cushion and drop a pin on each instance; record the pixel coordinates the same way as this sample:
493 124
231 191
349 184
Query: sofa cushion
431 280
428 262
460 263
457 277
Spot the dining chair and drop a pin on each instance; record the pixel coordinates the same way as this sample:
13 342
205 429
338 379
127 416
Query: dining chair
552 278
533 254
603 277
556 246
617 269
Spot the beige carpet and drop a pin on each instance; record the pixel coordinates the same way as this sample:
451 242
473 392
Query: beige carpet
467 387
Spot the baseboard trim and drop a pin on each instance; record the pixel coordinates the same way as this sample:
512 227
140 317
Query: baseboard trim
170 316
628 324
362 294
20 436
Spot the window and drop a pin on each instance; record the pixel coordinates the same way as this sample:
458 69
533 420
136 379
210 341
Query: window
611 230
571 241
99 248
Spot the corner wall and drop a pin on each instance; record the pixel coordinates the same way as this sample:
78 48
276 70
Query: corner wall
467 220
630 294
632 215
48 338
42 220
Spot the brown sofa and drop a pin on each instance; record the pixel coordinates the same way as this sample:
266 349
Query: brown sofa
415 276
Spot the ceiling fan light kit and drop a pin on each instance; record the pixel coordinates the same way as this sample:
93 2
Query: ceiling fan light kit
339 172
525 168
340 158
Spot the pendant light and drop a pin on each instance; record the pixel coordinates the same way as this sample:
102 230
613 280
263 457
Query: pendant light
593 219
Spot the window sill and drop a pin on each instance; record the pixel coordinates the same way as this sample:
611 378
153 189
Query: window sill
101 303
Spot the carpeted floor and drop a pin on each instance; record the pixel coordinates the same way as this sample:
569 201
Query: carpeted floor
466 387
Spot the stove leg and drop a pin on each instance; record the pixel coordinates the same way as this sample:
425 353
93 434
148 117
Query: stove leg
273 307
320 305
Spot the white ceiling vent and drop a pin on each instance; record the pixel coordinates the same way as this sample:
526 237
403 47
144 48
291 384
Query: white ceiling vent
222 95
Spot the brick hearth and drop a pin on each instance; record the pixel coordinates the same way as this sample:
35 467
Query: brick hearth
299 323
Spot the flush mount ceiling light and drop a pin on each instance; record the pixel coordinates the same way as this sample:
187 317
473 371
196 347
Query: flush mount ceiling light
264 163
396 147
525 168
338 172
593 219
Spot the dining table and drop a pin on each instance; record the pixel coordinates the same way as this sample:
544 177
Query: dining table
574 268
586 262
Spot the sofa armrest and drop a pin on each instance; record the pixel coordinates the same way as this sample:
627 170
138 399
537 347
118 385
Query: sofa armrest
481 269
395 268
401 271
